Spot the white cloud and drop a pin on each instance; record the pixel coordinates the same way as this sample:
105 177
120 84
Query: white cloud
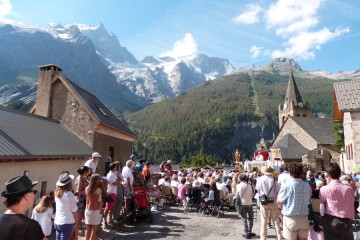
295 22
255 51
250 16
5 8
183 48
292 16
304 45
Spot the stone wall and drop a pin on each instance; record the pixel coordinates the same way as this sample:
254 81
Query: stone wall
72 114
299 134
45 172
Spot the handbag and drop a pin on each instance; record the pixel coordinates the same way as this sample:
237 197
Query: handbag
264 198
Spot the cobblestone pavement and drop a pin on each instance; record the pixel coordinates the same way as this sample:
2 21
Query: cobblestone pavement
172 223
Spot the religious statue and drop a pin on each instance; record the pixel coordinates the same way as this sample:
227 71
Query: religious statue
237 159
237 155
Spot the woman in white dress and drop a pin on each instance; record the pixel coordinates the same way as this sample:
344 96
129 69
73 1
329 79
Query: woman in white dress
43 213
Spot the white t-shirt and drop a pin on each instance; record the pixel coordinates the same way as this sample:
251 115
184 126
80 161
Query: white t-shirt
162 182
174 184
127 173
111 176
44 219
90 163
283 178
245 192
65 206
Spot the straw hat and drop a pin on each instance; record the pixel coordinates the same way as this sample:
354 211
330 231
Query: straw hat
64 179
267 170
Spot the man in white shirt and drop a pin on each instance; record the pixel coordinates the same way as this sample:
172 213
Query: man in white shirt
245 192
267 185
93 162
128 177
284 175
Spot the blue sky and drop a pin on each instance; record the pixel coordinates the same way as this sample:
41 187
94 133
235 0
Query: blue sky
319 34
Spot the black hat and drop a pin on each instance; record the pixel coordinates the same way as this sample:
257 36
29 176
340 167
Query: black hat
18 185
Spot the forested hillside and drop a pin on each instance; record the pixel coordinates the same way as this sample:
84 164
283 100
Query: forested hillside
211 121
271 88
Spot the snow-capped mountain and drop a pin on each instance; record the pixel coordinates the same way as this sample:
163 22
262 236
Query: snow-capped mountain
344 75
25 47
154 78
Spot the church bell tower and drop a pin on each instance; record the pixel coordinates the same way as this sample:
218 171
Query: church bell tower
293 105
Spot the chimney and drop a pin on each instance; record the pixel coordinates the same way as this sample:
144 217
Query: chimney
44 91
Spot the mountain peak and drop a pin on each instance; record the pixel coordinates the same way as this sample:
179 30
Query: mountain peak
284 65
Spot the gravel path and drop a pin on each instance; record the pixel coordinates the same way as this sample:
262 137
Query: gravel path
172 223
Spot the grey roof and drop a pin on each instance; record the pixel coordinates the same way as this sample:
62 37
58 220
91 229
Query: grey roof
99 110
348 95
290 147
320 129
24 135
292 92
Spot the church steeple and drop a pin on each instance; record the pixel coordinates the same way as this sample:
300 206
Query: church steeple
292 92
293 104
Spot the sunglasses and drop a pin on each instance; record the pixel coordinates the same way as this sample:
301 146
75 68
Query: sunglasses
33 191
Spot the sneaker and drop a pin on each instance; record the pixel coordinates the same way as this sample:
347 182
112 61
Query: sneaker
246 236
252 234
269 226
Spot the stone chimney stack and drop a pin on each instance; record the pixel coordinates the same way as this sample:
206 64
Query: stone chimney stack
44 91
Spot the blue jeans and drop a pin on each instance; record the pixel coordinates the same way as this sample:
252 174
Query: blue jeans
64 231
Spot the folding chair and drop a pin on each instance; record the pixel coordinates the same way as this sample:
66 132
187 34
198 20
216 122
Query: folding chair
168 196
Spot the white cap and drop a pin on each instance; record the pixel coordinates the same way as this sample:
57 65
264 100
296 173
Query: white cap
95 154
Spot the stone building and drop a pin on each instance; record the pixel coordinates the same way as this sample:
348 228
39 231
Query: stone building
38 147
302 137
293 105
61 99
347 114
66 124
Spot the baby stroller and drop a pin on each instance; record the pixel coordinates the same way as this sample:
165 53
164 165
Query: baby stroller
211 208
139 207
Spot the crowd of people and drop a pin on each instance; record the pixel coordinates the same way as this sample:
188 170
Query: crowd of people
283 198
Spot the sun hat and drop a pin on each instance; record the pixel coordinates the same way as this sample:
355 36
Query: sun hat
17 186
95 154
64 179
267 170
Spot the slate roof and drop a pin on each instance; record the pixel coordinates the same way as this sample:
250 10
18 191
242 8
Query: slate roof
290 147
348 95
99 110
292 92
318 128
24 135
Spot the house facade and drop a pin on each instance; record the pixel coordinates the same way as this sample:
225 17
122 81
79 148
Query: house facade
38 147
302 137
64 127
347 114
61 99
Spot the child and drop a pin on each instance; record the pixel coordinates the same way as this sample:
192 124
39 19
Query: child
43 213
182 193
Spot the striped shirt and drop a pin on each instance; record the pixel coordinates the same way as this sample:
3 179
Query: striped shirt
295 197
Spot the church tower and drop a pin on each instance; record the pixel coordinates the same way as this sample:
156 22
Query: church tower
293 105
